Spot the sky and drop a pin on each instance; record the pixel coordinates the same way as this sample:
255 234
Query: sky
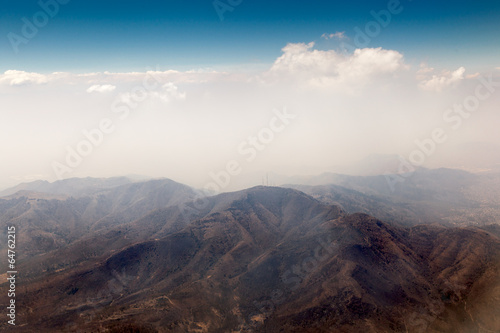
212 92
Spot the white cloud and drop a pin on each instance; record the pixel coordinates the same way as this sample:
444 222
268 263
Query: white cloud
95 79
338 35
190 76
424 72
18 78
303 63
105 88
438 82
210 113
171 91
166 93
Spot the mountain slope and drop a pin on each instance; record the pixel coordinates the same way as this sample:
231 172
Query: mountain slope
272 260
46 221
444 196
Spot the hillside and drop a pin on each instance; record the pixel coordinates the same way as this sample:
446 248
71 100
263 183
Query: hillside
443 196
50 220
271 260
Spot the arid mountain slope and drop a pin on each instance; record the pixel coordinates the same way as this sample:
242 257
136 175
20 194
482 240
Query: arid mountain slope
277 260
46 221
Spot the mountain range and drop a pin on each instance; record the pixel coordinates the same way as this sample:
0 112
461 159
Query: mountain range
342 255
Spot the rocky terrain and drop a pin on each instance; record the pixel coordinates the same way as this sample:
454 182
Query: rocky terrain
129 258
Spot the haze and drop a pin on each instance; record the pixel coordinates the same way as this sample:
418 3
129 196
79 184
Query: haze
305 100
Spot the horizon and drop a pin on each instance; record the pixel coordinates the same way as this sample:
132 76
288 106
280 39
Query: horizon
249 181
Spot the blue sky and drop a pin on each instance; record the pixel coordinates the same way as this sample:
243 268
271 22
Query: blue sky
130 35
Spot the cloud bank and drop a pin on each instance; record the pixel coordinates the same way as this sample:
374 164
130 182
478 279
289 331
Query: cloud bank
302 63
101 88
439 82
186 124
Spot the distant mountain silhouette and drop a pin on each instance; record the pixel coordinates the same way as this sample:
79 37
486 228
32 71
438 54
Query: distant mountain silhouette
70 187
444 196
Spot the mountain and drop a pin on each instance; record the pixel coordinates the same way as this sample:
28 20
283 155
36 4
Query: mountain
373 165
50 220
381 207
414 185
71 187
444 196
470 156
268 259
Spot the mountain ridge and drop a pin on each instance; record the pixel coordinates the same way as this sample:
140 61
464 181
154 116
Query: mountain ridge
268 259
